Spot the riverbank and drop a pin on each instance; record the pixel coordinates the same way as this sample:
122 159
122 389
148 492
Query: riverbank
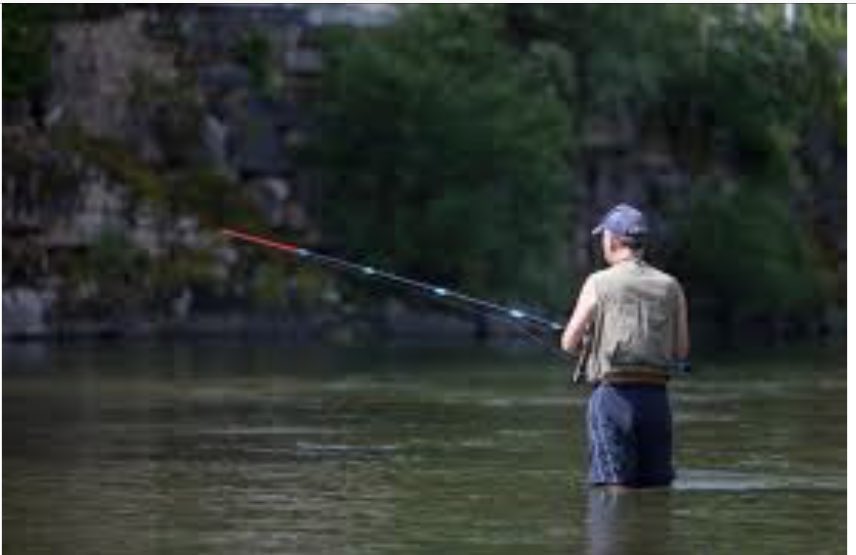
390 322
428 330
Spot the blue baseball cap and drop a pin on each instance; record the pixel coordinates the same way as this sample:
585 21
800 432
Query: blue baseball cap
624 221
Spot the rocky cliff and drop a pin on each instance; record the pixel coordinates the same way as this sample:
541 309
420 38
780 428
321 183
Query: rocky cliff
155 126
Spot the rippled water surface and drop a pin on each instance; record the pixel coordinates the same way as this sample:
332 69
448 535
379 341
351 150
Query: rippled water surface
257 448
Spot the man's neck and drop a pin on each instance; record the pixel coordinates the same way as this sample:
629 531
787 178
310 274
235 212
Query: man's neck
624 256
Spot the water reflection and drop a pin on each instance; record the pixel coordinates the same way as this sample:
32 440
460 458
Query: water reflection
629 522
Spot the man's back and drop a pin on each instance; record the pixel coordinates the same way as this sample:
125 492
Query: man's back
635 321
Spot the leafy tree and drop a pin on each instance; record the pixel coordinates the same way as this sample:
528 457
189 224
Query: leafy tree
744 248
441 152
739 96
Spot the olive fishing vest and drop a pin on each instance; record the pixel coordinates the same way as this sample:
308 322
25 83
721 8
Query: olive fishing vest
635 322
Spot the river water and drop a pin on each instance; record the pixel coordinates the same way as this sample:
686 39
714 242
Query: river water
225 448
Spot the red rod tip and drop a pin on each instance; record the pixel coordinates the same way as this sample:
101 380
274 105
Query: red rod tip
259 240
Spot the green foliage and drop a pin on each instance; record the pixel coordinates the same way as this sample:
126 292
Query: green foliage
36 174
716 76
26 48
204 193
442 152
119 278
255 51
213 198
606 58
730 90
443 141
820 77
115 266
166 276
268 286
173 114
744 248
113 257
142 181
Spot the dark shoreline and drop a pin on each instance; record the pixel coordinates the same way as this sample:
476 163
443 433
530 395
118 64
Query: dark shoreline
427 328
427 331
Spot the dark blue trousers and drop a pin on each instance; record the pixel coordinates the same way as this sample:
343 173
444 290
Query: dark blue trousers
630 436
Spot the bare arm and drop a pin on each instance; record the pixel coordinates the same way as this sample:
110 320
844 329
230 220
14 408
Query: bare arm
582 315
682 347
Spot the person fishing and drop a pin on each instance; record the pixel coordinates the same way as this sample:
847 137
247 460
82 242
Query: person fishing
635 318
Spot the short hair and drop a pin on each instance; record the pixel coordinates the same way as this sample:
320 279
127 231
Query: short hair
636 243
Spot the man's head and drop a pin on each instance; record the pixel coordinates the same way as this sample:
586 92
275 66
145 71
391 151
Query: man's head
623 232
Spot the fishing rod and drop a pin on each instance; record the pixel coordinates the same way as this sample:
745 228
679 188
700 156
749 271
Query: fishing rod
480 306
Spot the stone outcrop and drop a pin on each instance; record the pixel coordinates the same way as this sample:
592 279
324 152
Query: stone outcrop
94 68
142 101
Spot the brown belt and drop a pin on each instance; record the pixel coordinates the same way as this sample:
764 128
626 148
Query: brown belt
634 376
